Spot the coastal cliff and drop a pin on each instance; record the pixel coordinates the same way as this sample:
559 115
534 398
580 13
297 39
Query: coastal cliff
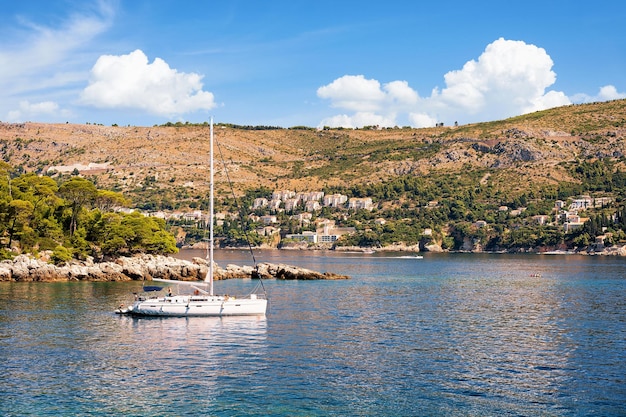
145 267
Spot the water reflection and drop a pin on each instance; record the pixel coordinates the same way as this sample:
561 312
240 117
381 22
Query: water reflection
63 352
508 338
446 335
201 354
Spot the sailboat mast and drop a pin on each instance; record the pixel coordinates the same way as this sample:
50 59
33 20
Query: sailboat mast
211 210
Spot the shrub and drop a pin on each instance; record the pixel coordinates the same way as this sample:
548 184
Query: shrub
61 255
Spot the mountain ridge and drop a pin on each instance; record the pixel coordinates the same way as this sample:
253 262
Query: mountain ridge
533 148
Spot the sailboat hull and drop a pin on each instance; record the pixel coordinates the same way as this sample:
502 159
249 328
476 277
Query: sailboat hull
197 306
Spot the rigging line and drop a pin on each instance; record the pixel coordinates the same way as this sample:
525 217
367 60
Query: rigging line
243 223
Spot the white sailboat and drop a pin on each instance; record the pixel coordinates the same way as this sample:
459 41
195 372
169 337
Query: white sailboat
201 301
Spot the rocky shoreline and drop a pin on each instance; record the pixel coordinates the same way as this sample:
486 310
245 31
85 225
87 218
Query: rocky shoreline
146 267
434 248
593 250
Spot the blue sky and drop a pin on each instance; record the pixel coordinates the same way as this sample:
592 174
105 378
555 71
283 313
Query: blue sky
312 63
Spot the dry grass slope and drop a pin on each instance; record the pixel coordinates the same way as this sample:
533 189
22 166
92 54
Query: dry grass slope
519 151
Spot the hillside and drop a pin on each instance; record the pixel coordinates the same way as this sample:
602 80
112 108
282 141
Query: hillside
537 148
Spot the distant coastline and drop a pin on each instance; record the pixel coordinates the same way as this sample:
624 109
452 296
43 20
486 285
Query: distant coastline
616 250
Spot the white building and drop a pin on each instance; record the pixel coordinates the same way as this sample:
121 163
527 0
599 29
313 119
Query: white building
361 203
312 205
274 204
303 217
267 220
291 204
335 200
259 203
329 234
283 195
307 236
581 203
193 216
312 196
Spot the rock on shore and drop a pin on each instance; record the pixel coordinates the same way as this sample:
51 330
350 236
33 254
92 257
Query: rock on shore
144 267
279 271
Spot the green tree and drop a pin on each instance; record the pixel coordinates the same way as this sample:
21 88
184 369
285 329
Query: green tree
5 174
106 200
34 188
78 192
19 213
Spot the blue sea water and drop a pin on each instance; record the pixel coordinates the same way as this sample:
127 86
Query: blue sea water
448 334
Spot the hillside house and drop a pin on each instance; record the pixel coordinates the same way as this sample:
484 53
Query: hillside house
283 195
312 205
267 220
291 204
312 196
303 218
570 226
335 200
306 236
329 234
192 216
274 204
158 214
602 201
259 203
572 221
361 203
581 203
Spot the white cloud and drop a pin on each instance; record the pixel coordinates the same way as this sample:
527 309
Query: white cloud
44 55
606 93
401 94
353 92
509 78
374 105
130 81
30 111
547 101
609 92
422 120
357 120
41 61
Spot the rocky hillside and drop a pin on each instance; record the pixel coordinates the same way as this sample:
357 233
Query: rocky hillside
534 148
